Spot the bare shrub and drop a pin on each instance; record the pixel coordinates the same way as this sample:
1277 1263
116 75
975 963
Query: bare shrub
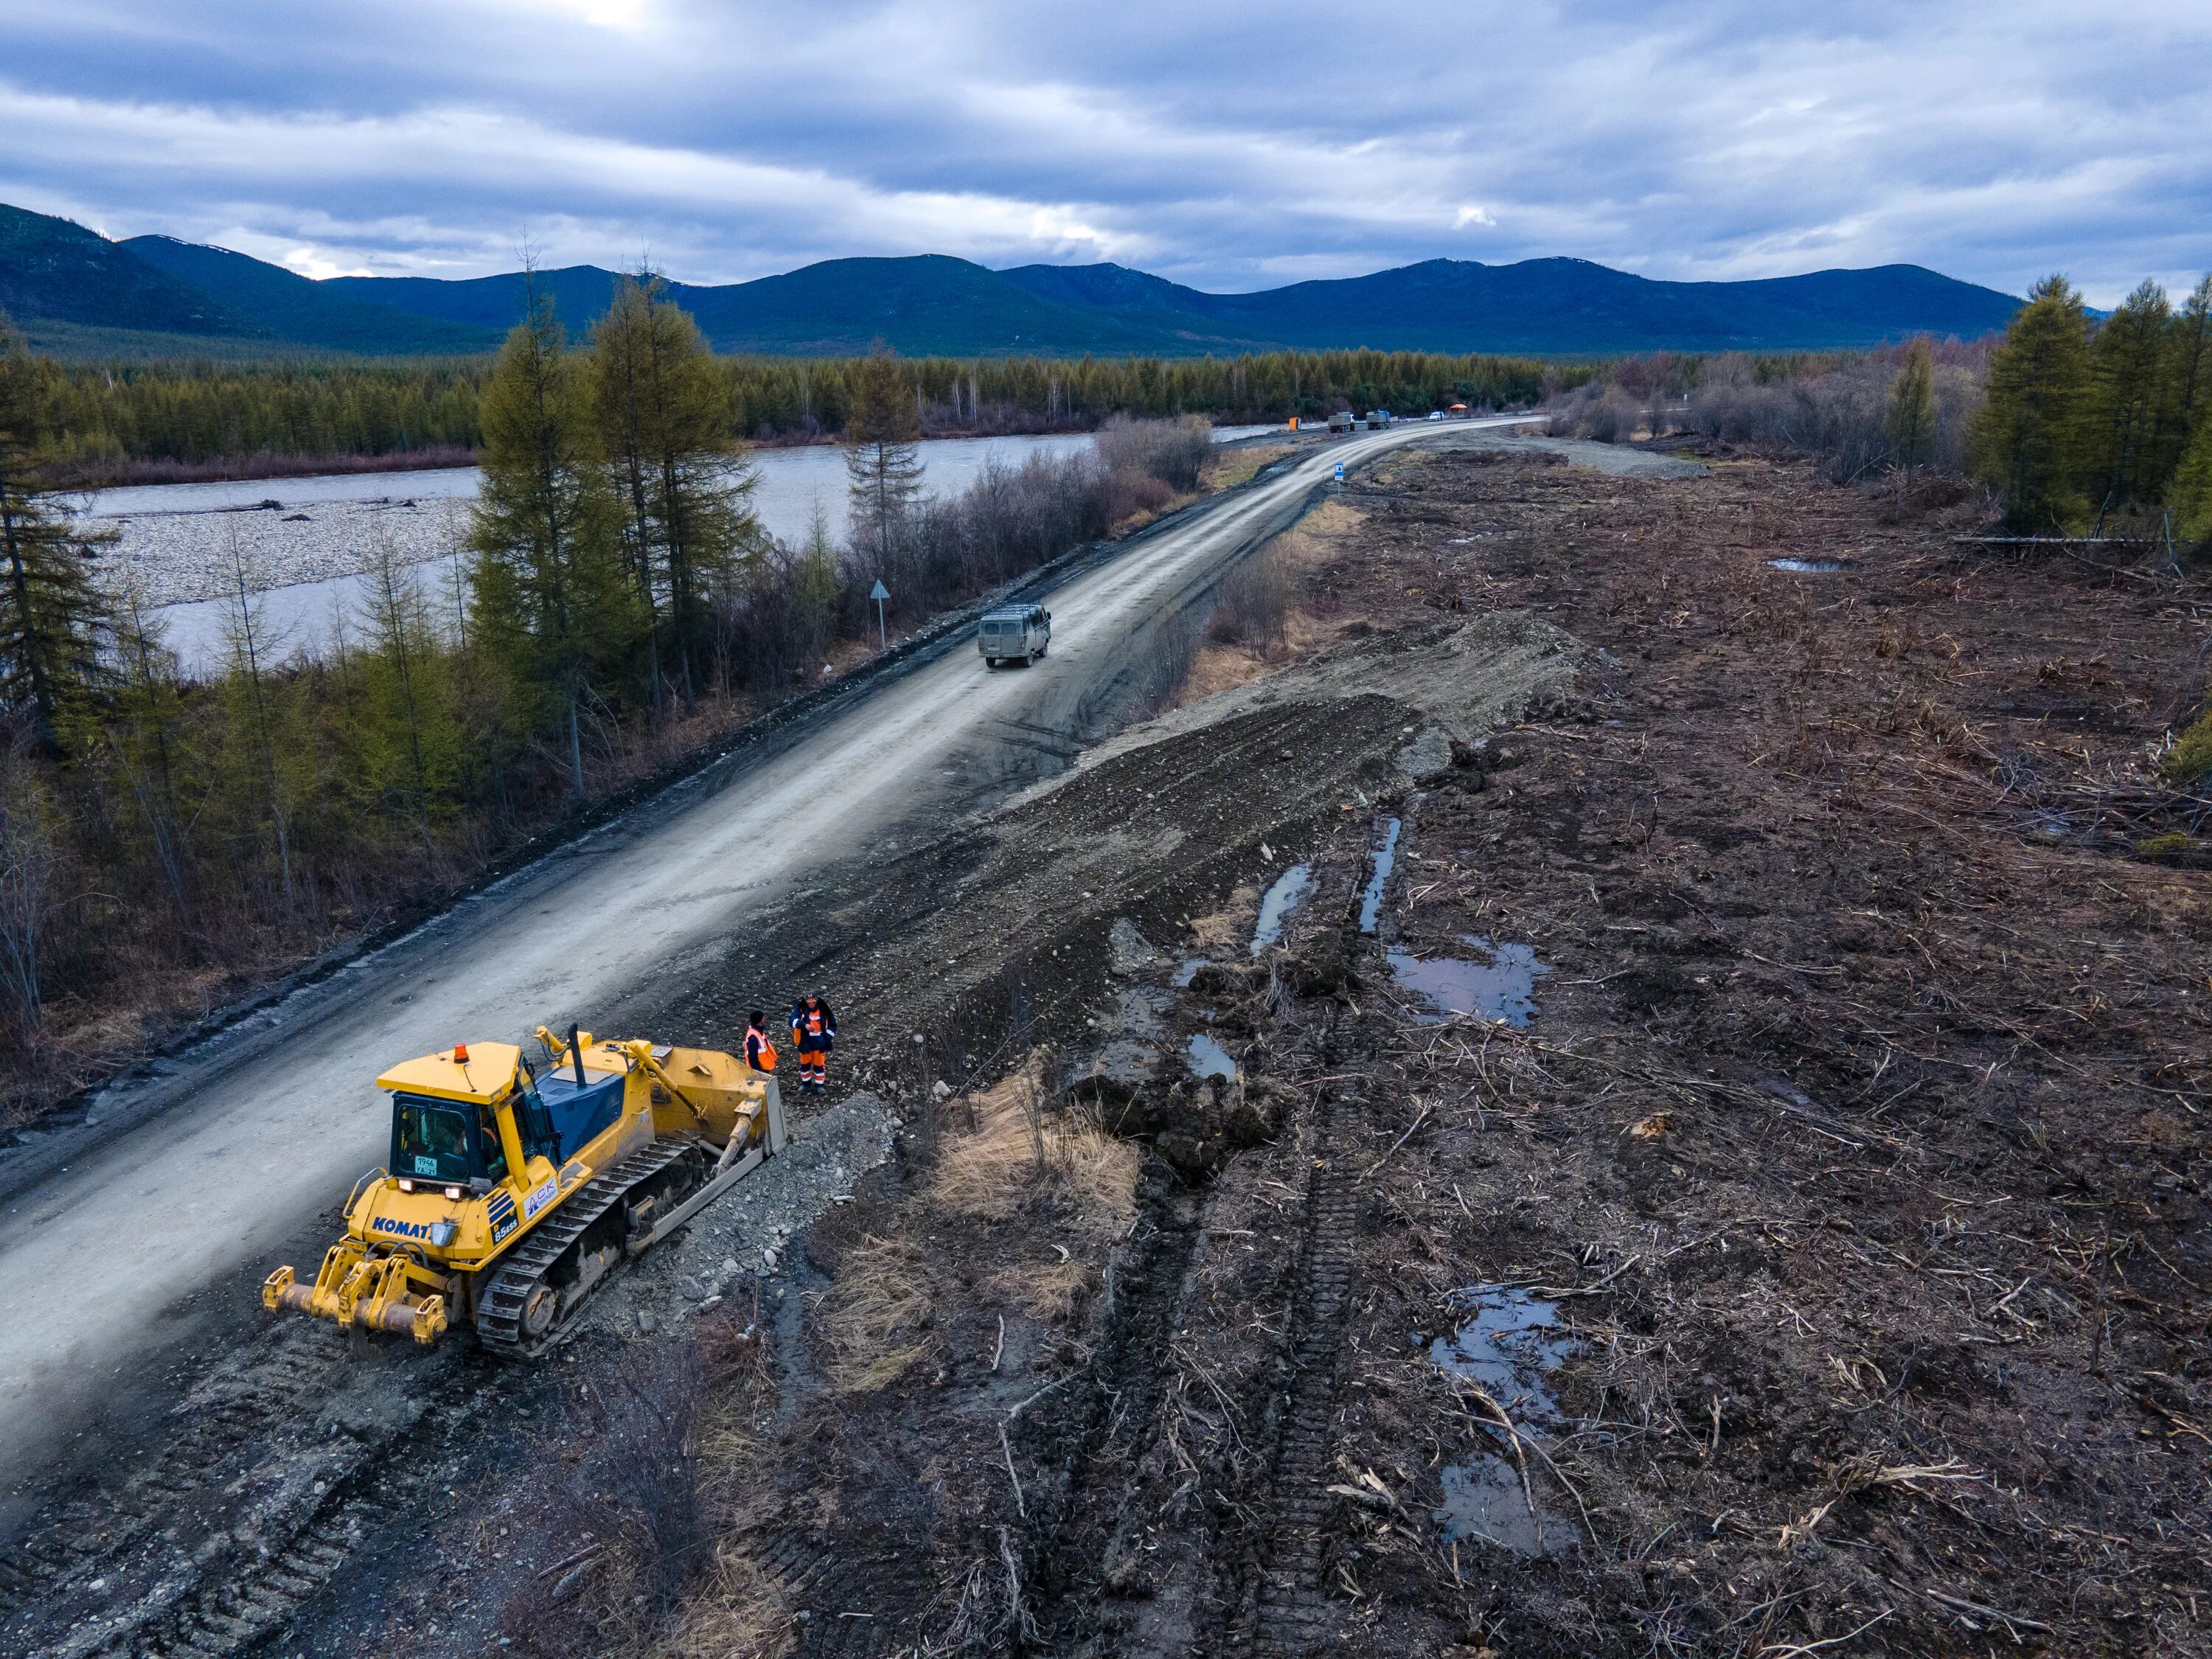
1252 606
1598 410
1173 452
1835 414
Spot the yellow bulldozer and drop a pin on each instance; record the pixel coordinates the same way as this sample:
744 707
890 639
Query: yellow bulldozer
511 1193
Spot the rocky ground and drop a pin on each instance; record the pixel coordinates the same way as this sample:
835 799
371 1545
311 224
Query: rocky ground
1707 1160
175 557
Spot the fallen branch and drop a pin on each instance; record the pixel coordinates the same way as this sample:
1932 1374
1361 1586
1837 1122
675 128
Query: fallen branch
1396 1144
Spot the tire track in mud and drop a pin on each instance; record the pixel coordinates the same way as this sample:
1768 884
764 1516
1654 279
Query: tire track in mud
1287 1609
278 1470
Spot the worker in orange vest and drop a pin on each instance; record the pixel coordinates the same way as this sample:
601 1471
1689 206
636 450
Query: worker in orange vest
759 1053
813 1033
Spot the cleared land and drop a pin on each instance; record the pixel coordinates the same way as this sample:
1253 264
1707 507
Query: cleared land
1854 1147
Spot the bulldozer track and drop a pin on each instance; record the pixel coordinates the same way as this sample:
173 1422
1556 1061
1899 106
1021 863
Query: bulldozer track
168 1559
499 1315
1289 1608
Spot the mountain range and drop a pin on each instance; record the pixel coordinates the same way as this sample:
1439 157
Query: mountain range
77 293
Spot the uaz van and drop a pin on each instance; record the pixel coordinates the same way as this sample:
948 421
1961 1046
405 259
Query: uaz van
1014 633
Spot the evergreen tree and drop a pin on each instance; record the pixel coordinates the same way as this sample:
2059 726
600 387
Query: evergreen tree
1909 419
2129 417
51 614
880 456
662 412
144 730
409 739
255 718
2191 493
552 602
2190 361
2027 438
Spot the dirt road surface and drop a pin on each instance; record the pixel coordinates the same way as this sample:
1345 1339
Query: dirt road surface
256 1134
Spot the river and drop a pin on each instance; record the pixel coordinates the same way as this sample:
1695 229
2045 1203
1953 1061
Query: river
302 541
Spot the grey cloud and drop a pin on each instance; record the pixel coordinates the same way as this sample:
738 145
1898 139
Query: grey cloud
1229 144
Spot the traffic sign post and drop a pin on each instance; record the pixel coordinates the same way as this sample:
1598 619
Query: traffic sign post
879 593
1340 472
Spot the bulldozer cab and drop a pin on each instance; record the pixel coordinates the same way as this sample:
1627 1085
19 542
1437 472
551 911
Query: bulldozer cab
447 1142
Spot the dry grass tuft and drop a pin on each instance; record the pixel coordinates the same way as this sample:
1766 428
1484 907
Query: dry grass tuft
1022 1150
1045 1290
739 1613
1231 925
876 1322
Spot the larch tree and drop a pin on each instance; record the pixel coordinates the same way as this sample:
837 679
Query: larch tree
1909 417
2027 439
553 603
881 458
662 412
51 614
2130 387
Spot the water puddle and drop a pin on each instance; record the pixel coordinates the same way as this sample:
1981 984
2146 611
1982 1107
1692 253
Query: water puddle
1189 971
1484 1503
1502 989
1293 885
1808 566
1508 1342
1386 857
1209 1059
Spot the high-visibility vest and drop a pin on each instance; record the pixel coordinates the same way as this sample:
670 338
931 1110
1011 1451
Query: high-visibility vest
759 1053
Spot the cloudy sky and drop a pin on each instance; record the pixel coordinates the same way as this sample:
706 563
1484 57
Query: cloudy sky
1228 143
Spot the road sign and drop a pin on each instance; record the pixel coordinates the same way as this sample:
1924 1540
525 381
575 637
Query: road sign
1340 472
879 593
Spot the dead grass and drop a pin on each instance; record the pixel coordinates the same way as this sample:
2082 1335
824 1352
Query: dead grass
739 1613
1229 467
1022 1150
1225 928
877 1320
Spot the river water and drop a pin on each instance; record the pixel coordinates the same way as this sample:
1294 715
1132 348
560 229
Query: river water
303 542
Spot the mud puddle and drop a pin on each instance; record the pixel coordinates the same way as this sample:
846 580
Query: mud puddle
1290 888
1501 988
1807 567
1484 1503
1507 1344
1209 1059
1386 859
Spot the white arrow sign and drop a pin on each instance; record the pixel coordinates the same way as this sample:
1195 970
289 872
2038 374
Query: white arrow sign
879 593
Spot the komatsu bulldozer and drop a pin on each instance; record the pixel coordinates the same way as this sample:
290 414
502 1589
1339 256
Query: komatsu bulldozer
511 1195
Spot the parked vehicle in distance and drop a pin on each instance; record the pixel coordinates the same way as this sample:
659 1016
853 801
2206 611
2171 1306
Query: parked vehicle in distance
1377 418
1436 413
1343 421
1014 633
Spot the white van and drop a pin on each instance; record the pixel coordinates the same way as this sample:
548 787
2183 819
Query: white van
1014 633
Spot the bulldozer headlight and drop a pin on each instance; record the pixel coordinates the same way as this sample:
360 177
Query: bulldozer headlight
405 1185
453 1193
